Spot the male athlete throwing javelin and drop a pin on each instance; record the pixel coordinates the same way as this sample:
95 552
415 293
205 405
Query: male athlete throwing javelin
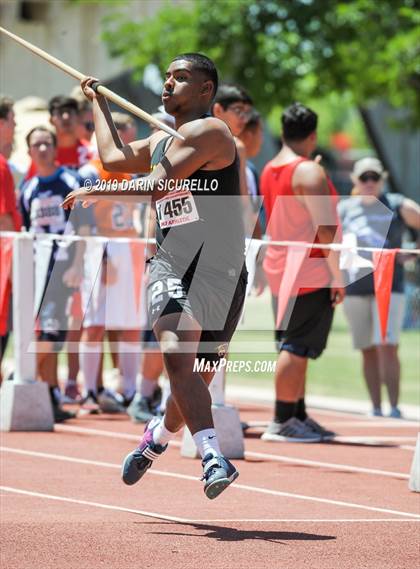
198 275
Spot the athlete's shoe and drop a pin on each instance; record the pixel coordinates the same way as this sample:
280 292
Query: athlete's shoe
291 431
326 435
218 474
89 404
61 415
109 403
395 413
139 460
71 393
376 412
141 409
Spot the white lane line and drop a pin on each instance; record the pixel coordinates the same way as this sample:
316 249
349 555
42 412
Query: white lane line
368 440
102 432
250 454
384 424
372 439
96 504
164 517
356 424
237 486
305 520
331 465
361 417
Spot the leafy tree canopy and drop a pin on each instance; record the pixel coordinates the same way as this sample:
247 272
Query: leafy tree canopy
286 50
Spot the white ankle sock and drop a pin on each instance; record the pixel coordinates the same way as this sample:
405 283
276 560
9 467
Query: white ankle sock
90 359
166 391
207 442
129 360
161 435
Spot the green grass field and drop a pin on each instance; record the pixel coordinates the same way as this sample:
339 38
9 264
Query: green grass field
337 372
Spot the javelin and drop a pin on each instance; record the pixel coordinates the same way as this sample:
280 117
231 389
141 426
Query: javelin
96 86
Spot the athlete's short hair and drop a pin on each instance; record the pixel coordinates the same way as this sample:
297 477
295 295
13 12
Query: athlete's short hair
298 122
6 105
228 93
204 65
41 129
61 102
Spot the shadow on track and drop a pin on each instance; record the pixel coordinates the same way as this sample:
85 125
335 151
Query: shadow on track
224 534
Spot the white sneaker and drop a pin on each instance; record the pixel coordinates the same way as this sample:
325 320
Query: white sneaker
292 431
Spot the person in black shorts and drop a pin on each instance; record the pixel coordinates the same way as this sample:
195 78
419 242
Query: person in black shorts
300 203
198 276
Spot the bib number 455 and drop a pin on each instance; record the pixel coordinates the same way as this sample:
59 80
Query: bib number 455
177 206
177 209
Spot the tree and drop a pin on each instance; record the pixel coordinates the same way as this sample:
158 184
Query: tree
287 50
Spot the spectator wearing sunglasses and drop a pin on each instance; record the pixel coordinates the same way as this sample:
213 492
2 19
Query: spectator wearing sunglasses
72 152
377 219
86 126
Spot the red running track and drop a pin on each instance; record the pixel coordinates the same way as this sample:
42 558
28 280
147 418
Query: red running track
339 505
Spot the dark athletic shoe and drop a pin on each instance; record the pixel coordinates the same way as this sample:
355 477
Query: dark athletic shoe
89 404
60 415
218 474
326 435
141 409
137 462
291 431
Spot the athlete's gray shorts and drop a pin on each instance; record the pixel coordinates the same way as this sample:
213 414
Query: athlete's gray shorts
215 303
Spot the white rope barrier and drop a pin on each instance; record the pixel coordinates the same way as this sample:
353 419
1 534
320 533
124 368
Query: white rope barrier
333 246
68 237
262 242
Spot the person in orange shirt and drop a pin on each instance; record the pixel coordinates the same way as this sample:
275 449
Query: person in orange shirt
112 304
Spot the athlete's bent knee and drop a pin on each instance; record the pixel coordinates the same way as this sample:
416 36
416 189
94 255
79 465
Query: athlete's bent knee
169 343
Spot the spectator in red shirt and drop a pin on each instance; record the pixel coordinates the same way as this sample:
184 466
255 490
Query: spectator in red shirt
10 219
9 216
299 201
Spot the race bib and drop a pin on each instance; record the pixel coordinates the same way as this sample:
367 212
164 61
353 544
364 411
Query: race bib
176 209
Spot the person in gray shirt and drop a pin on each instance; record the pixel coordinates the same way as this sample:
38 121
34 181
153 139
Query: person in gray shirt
377 219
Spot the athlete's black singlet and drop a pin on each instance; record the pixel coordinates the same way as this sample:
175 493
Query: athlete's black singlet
207 232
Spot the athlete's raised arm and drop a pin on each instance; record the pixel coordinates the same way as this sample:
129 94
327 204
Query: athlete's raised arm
114 155
207 145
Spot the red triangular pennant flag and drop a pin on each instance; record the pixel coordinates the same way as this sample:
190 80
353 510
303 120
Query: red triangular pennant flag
384 262
137 255
294 260
6 254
